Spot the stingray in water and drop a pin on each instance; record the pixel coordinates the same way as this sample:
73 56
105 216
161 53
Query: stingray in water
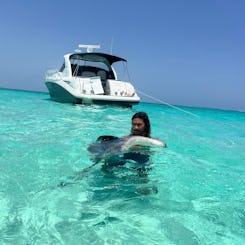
116 151
111 145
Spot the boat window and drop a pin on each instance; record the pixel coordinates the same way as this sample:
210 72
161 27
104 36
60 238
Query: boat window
121 71
82 68
62 67
90 63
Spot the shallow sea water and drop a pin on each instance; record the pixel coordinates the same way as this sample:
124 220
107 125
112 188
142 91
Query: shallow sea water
194 193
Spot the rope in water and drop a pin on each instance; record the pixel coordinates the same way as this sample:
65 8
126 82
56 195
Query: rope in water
163 102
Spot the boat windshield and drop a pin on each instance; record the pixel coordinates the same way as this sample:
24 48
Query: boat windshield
97 64
97 57
83 68
91 59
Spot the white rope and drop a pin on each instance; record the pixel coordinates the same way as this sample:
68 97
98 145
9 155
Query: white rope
163 102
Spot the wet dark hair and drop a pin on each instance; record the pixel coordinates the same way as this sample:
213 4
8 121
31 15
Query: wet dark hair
144 117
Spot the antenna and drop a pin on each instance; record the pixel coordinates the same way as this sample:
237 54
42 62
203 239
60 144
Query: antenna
90 48
112 41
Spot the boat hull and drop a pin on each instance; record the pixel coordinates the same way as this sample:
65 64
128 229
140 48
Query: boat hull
62 95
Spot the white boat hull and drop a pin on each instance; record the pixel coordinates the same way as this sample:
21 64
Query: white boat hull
61 92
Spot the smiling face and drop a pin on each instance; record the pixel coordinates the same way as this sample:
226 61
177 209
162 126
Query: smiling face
138 127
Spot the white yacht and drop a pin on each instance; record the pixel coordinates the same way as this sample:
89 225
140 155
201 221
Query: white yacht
89 77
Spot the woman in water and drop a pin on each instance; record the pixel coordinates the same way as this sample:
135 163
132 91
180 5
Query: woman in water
140 127
137 156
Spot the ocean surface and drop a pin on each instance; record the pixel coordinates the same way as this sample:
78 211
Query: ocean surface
194 192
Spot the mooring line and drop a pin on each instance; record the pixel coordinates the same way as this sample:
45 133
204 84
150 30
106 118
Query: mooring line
166 103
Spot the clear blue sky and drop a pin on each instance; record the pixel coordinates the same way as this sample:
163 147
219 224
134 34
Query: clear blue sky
184 52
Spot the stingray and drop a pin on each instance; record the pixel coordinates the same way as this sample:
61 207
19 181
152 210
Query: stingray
107 145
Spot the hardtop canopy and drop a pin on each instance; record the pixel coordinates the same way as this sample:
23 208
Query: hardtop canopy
97 57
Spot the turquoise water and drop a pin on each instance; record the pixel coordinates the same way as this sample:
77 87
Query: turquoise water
194 194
